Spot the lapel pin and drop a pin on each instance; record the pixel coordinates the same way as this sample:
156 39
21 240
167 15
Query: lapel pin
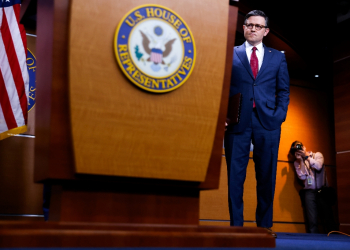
269 50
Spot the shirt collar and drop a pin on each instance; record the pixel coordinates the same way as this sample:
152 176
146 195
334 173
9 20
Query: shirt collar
250 47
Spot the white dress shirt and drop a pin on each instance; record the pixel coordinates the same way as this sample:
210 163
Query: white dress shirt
259 52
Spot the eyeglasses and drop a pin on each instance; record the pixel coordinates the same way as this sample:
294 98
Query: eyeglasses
257 26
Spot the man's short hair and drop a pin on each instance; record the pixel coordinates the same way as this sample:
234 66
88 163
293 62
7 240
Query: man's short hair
257 13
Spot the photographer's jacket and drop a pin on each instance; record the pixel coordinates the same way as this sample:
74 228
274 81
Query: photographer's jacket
312 167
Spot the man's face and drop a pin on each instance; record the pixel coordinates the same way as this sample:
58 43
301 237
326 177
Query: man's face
254 36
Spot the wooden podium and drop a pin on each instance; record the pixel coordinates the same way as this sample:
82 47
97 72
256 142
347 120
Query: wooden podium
126 166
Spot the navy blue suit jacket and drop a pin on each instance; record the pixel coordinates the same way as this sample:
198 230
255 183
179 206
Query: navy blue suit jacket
270 89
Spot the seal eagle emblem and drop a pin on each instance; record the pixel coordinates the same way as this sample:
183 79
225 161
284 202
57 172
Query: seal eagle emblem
155 48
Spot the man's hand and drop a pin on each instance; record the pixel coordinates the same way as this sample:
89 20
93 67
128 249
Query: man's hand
226 123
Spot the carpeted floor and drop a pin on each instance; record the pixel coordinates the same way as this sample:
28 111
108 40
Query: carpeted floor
294 241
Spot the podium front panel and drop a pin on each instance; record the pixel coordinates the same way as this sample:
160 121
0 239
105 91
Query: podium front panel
119 129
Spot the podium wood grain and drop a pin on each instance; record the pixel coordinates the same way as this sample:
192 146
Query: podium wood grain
167 136
58 234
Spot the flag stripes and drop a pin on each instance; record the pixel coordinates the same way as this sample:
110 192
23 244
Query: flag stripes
14 78
6 105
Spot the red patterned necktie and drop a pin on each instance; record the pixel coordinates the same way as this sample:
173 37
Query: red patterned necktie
254 64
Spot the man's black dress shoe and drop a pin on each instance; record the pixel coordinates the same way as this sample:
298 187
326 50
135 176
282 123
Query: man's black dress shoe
269 230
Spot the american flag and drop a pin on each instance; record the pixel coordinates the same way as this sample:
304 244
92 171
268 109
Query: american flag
14 79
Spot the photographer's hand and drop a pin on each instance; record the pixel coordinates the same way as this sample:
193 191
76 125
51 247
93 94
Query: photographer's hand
298 156
303 153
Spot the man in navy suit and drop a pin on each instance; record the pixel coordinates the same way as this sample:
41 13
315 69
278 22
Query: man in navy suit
260 74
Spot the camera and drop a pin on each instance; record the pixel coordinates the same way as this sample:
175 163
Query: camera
299 146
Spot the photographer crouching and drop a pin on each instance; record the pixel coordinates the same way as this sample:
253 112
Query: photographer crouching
310 169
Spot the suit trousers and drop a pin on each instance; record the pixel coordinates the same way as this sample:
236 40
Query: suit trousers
265 153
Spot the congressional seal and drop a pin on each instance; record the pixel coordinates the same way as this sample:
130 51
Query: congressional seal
155 48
